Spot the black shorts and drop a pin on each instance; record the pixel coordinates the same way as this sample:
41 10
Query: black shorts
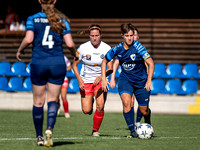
41 74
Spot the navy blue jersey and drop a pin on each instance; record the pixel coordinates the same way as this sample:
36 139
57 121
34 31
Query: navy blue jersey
131 61
47 45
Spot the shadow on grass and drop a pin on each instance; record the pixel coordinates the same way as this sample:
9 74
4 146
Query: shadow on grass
60 143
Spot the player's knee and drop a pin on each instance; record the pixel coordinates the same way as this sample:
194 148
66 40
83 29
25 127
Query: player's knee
126 107
63 98
87 111
38 103
126 104
100 108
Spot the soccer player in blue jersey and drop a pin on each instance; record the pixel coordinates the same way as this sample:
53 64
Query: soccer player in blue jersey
132 57
46 30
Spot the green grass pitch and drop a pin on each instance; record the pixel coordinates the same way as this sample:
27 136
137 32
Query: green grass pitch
171 132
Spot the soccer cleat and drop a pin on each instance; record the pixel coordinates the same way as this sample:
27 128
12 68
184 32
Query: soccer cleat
67 115
147 119
48 142
40 141
133 135
95 133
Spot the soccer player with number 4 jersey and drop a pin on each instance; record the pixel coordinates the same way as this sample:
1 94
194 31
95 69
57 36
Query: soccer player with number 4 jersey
132 57
46 31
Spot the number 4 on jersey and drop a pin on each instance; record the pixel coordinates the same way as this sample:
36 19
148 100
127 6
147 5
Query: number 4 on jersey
47 39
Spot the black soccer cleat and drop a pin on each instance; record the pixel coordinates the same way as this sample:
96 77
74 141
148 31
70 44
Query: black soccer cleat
133 135
40 141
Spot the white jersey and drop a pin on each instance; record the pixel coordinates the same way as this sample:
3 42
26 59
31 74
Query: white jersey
92 59
68 63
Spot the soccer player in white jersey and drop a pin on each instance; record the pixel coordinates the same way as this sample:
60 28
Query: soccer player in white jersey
91 54
63 93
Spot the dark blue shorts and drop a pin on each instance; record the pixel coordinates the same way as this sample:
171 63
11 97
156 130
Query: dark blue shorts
141 94
41 74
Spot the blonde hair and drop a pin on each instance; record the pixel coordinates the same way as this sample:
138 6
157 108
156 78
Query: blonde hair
54 16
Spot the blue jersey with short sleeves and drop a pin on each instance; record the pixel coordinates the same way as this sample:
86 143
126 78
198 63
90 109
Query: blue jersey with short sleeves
47 45
132 62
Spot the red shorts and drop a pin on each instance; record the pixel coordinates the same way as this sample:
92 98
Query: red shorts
65 84
89 88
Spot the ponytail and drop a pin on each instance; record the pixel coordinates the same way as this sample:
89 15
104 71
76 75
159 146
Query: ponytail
54 16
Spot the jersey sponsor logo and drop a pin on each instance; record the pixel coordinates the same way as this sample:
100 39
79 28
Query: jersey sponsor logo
42 20
96 53
133 56
88 57
128 66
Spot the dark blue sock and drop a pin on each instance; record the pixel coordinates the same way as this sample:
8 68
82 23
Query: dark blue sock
130 121
38 117
139 115
52 114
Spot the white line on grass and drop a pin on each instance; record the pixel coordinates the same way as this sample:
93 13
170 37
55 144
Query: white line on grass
176 137
89 138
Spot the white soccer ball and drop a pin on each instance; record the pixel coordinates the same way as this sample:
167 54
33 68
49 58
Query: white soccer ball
145 131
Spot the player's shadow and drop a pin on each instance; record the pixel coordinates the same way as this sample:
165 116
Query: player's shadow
61 116
60 143
122 129
106 135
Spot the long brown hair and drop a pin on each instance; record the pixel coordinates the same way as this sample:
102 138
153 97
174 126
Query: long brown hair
91 27
54 16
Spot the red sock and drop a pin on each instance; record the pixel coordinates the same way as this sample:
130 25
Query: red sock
65 106
97 119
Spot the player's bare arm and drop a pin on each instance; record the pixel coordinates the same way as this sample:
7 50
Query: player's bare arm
28 39
70 44
112 79
108 72
151 67
103 74
76 72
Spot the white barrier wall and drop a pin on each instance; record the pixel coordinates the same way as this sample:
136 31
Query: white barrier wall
158 104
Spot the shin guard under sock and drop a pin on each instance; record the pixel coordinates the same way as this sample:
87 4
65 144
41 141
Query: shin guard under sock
52 114
97 120
38 116
139 116
130 120
65 106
